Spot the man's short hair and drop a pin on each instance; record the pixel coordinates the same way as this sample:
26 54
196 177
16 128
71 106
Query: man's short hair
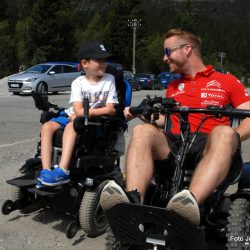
186 34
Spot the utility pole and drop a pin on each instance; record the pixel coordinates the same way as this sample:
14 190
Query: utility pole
221 55
134 24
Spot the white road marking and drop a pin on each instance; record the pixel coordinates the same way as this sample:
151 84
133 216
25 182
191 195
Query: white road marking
16 143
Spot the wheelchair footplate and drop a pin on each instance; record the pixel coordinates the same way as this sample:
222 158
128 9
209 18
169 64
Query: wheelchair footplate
49 191
24 181
143 225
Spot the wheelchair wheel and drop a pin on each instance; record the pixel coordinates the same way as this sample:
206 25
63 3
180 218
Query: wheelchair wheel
23 200
71 230
16 193
7 207
238 225
91 216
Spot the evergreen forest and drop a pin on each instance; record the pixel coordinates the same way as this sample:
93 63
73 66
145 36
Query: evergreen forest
35 31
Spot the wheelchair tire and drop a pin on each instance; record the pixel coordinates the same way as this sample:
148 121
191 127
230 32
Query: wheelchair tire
16 193
238 226
7 207
91 216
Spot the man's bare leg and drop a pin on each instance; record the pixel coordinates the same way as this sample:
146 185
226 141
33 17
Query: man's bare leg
214 166
148 143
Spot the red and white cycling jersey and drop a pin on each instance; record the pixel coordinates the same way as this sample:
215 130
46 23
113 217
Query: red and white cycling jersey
206 88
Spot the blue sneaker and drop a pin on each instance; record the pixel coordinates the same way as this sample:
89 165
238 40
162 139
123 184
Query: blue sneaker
55 177
43 172
39 185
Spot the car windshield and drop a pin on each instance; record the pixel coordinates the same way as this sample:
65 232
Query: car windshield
166 75
41 68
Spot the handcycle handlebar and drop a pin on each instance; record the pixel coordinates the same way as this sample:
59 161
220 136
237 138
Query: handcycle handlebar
169 106
212 110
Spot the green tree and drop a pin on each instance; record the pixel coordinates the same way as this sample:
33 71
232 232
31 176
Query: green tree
42 30
93 32
117 34
52 31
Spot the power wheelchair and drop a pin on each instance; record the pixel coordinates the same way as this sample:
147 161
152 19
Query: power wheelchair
96 159
225 218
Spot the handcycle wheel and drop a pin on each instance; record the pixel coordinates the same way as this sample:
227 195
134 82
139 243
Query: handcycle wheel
7 207
91 216
238 225
111 242
71 230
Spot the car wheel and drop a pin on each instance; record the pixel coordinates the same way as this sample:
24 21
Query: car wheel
42 88
138 88
16 93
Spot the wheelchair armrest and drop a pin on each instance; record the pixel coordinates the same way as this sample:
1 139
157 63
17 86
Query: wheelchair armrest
96 121
46 116
104 119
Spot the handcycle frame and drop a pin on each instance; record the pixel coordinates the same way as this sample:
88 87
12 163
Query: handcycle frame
163 227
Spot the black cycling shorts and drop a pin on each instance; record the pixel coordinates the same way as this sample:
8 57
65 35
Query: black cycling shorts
196 153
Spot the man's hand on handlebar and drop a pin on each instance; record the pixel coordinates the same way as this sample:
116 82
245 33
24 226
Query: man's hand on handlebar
128 115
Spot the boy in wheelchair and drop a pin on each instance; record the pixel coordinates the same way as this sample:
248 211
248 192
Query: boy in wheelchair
92 152
99 88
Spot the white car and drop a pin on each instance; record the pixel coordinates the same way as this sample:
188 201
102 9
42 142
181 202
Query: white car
46 77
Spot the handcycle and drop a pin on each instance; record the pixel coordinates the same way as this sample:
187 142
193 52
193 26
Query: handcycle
95 160
225 218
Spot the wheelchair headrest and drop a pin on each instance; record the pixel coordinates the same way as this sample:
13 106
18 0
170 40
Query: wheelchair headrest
116 70
41 101
123 88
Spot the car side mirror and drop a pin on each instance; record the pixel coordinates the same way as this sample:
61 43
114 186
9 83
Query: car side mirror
52 72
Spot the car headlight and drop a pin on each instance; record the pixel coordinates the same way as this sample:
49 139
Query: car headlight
31 79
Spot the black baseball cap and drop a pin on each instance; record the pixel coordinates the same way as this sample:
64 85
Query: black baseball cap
93 50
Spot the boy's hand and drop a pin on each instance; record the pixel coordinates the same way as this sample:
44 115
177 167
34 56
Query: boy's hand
72 117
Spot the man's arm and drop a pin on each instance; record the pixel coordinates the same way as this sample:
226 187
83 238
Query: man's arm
244 127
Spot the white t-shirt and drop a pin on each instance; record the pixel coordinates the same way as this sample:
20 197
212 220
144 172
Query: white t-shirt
98 94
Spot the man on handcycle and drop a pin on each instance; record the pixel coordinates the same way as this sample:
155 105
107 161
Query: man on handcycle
216 146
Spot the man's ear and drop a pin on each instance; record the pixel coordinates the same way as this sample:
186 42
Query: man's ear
188 50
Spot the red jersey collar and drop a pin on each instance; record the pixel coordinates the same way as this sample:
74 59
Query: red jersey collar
210 69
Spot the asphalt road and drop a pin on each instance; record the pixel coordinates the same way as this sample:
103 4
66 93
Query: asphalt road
19 133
